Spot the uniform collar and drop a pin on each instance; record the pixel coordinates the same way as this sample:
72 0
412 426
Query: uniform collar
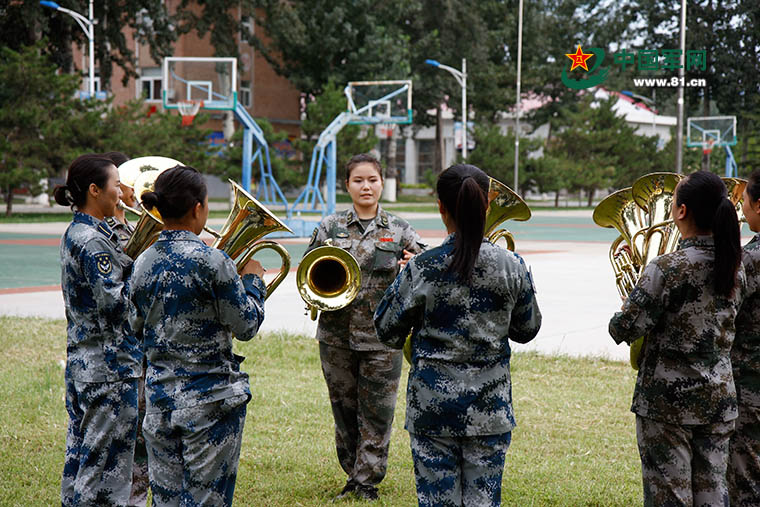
697 241
755 238
84 218
381 219
179 235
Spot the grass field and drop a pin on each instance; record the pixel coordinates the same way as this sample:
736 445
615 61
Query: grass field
574 444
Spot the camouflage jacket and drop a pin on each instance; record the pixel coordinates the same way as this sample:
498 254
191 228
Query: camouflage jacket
123 230
94 280
459 382
188 303
745 354
685 375
377 250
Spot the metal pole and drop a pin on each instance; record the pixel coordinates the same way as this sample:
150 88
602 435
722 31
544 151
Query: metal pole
91 36
681 73
654 114
464 108
517 100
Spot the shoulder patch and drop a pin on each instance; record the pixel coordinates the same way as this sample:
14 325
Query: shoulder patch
103 261
313 237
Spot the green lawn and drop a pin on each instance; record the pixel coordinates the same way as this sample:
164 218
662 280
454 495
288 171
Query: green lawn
574 445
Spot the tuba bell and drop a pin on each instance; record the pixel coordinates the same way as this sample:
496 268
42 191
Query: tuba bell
328 279
248 222
503 204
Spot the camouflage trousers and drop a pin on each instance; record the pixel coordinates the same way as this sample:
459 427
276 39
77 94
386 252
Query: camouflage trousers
457 471
744 463
362 387
100 442
138 497
683 464
193 452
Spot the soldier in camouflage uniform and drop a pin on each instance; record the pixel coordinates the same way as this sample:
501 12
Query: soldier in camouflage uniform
102 357
685 304
744 464
362 374
463 301
188 304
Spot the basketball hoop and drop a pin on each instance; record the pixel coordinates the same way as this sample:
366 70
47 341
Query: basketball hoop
188 109
707 147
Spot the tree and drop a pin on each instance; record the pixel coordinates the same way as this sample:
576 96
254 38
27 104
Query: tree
36 105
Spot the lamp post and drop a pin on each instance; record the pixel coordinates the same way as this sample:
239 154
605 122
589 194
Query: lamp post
461 77
86 24
652 101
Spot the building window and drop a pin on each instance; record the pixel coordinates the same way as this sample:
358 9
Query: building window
245 93
150 84
425 157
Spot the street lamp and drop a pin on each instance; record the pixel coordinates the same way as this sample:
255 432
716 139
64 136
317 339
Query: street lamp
86 24
647 100
461 77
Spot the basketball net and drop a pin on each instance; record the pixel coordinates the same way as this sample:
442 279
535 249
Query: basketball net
188 109
707 147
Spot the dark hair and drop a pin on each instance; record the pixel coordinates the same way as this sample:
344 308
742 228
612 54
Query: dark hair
463 191
753 185
176 191
83 171
706 198
116 157
363 158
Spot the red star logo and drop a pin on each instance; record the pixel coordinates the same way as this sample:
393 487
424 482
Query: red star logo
579 58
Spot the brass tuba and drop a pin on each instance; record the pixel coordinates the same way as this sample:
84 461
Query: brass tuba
328 279
248 222
503 204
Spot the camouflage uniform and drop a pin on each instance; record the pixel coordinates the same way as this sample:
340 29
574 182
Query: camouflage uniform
685 399
139 494
102 366
188 302
362 374
744 465
459 396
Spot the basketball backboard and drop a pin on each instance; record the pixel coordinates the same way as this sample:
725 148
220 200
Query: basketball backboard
708 132
211 80
380 101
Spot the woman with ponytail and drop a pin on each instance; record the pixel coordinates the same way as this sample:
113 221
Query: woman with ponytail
463 301
685 303
744 463
103 359
188 304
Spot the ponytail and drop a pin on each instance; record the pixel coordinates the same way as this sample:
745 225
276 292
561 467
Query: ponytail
728 250
463 191
706 198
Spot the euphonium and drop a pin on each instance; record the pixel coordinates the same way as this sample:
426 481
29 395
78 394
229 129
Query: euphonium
654 193
328 279
248 222
503 204
735 187
620 211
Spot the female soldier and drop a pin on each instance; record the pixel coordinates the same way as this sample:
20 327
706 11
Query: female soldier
463 300
744 465
685 303
102 357
362 374
188 303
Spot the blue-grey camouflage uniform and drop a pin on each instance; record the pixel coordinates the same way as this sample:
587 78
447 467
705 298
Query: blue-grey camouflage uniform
139 494
188 303
362 374
685 399
459 395
744 464
103 363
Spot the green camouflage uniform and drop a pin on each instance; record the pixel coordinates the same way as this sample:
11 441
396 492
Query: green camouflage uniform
744 466
685 399
140 482
362 374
